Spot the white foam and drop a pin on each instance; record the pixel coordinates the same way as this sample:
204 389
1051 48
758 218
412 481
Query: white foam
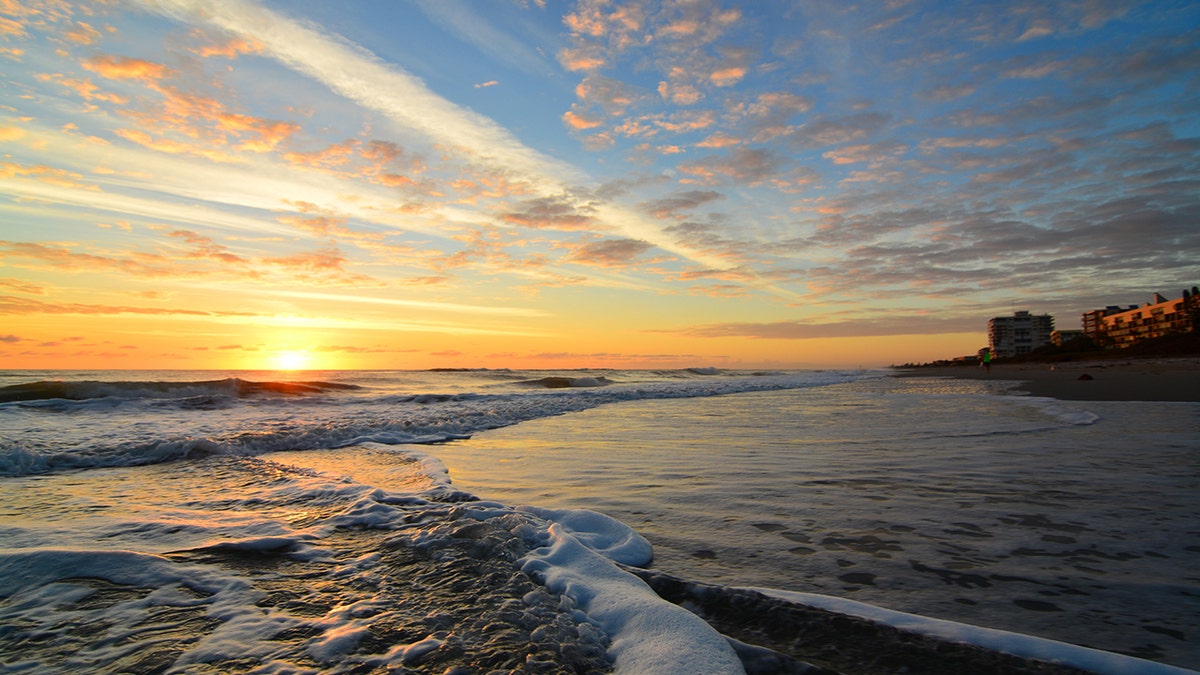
603 534
1062 410
1023 646
649 635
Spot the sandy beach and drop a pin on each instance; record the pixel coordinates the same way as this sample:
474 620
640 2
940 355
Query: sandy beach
1165 379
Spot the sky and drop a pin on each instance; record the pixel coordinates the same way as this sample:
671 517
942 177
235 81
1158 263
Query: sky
260 184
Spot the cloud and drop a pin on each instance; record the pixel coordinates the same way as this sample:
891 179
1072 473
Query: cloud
732 67
63 258
680 94
22 306
204 248
948 92
751 166
807 330
82 33
264 135
581 58
826 131
484 35
864 153
670 207
552 214
1040 28
618 357
84 88
695 23
11 339
22 286
127 68
360 77
581 121
468 141
329 226
720 140
173 147
485 85
490 310
11 27
349 349
612 96
46 174
609 252
230 48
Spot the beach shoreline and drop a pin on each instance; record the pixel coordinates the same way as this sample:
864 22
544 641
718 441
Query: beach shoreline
1156 380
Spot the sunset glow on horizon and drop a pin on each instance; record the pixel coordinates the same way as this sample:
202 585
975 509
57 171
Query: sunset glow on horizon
254 184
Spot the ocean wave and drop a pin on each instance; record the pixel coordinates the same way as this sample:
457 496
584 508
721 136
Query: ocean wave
108 431
232 387
560 382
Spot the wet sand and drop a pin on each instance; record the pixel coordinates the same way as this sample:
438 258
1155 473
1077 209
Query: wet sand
1167 379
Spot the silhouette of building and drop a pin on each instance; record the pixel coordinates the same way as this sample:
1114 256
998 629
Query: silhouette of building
1059 337
1115 326
1018 334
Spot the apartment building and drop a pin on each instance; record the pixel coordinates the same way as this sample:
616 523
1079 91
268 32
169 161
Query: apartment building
1018 334
1115 326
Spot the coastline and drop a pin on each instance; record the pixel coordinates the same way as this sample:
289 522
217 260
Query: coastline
1158 380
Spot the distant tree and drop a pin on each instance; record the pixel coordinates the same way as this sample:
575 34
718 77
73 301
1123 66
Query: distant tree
1191 306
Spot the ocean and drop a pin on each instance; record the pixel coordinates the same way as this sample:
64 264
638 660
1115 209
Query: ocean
474 521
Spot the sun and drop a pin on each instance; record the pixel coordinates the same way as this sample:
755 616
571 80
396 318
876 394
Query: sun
291 360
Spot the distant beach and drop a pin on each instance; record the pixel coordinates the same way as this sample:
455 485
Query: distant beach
1158 379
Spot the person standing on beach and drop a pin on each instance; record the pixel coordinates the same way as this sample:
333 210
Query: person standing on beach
987 361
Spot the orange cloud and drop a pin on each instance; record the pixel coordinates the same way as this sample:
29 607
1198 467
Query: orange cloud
585 59
60 257
725 77
324 265
173 147
125 68
83 87
46 174
11 28
580 122
719 140
679 94
13 305
394 180
204 248
680 28
83 34
334 155
328 226
688 121
22 286
231 48
266 134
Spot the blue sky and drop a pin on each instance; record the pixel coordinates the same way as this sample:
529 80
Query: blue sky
410 184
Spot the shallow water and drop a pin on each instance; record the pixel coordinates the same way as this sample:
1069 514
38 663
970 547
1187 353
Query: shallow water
194 524
1075 521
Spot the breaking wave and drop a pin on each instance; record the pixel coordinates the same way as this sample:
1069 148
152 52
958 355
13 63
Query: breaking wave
233 387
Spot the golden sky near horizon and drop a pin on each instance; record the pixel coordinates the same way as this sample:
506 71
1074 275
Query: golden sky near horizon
238 184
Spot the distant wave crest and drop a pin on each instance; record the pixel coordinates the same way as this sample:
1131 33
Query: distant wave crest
234 387
568 382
